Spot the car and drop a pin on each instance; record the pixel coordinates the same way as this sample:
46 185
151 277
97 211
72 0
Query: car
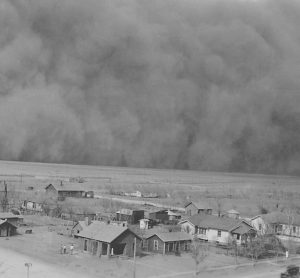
292 271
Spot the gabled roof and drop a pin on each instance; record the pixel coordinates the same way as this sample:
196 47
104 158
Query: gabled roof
215 222
68 186
5 221
102 232
9 215
242 228
277 217
198 205
172 236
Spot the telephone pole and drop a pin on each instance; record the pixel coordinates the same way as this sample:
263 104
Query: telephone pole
134 259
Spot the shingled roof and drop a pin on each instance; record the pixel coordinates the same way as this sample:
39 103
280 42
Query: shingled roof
70 186
9 215
277 217
102 232
172 236
199 205
218 223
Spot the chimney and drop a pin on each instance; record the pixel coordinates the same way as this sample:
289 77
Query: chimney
87 221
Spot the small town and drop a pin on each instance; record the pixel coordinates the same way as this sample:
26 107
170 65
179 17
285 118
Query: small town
133 229
149 139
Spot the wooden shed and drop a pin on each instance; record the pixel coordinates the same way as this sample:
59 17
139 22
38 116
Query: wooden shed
168 242
7 229
103 239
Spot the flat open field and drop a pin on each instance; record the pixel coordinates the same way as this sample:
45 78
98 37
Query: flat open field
244 192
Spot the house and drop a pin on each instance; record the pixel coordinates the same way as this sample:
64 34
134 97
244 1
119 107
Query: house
283 224
7 228
221 230
167 242
259 224
164 216
192 208
102 239
129 215
32 206
75 190
159 216
11 218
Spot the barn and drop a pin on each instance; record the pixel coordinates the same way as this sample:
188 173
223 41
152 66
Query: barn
64 190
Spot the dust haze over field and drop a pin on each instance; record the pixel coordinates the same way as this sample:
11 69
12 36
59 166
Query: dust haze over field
210 85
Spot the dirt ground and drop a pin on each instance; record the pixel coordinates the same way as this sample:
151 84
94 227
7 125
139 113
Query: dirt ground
42 250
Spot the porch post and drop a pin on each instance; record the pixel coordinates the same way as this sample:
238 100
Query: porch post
108 250
164 249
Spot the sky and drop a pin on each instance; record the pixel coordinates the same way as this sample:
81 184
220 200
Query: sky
208 85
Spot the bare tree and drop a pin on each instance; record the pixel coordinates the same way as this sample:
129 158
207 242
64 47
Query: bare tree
200 251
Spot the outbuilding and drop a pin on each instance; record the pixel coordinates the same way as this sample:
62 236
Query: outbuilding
102 239
7 229
168 242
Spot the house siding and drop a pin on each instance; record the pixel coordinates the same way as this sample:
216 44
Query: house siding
7 230
167 247
97 248
191 209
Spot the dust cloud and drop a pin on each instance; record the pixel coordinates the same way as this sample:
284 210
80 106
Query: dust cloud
211 85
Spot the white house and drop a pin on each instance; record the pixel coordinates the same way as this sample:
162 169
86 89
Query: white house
283 224
217 229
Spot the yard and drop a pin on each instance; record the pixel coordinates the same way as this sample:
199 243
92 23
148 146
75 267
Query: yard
42 249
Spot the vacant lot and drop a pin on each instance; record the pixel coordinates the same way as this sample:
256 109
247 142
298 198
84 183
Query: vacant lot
244 192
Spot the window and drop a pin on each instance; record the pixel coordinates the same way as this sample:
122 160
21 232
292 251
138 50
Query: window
219 233
238 236
201 231
85 245
185 246
294 229
259 227
155 243
279 228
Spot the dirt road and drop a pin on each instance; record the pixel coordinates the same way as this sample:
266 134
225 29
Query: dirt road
12 265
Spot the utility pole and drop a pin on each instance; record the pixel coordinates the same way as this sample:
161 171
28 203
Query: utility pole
28 265
134 258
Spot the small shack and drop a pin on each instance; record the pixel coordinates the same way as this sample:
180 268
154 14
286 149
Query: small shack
168 242
11 218
101 239
129 215
192 208
7 229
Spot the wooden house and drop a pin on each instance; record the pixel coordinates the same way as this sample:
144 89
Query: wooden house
64 190
7 228
11 218
102 239
220 230
129 215
192 208
167 242
285 226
